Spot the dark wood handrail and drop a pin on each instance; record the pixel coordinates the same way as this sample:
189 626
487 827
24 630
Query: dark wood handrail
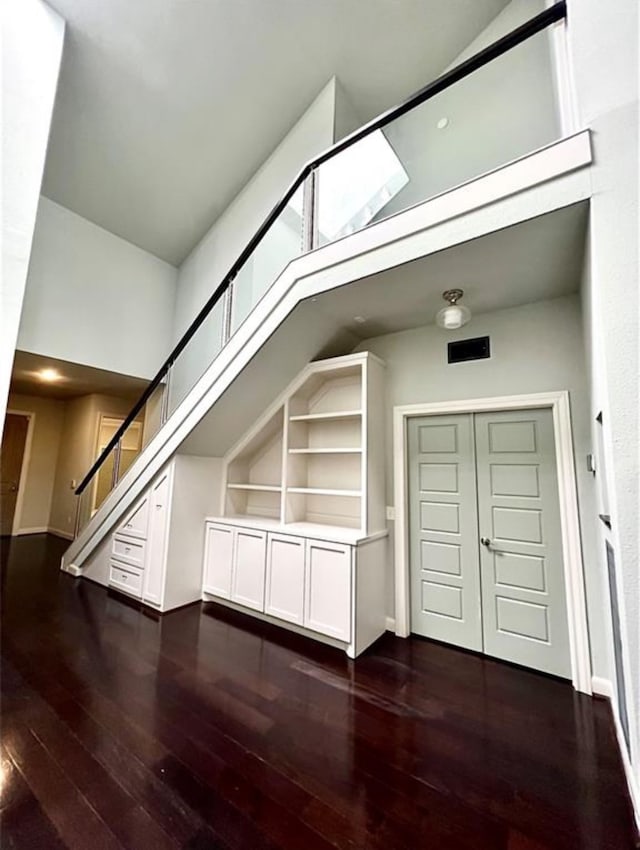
549 16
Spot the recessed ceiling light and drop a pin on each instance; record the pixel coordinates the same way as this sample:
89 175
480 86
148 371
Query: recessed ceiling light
442 123
49 375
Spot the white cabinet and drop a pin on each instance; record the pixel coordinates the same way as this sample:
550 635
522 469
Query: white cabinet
302 537
234 564
218 558
284 592
313 584
327 604
248 571
157 552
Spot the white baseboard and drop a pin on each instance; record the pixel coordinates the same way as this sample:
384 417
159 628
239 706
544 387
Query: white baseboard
390 624
44 529
60 533
604 687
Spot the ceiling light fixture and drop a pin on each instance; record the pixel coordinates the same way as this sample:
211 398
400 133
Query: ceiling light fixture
49 375
454 315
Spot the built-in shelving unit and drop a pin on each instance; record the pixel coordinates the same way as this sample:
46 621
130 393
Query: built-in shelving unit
301 539
310 457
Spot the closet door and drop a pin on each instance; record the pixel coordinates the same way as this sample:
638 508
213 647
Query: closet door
522 572
443 527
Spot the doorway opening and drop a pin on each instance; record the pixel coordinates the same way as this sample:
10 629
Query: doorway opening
14 456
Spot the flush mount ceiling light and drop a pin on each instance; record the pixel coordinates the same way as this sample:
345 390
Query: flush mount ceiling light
454 315
49 375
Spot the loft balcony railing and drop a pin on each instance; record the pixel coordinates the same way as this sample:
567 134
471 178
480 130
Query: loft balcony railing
501 104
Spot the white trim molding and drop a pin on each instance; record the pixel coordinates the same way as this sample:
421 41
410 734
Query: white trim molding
558 401
604 688
58 532
36 529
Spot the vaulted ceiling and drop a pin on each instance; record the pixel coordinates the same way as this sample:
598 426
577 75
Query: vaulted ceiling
166 108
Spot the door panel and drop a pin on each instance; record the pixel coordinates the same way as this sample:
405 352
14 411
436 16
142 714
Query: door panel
13 442
135 525
156 556
328 589
285 578
445 577
218 560
249 564
522 571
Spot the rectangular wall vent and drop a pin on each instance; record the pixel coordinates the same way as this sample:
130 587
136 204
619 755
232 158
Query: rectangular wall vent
469 349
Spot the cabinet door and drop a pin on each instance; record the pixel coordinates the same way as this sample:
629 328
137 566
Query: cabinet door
249 568
218 557
328 589
156 560
285 578
135 525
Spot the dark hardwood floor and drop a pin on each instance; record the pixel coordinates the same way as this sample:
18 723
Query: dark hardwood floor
205 729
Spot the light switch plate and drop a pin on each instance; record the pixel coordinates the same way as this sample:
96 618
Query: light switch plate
391 512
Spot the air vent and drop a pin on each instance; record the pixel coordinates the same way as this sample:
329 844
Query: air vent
469 349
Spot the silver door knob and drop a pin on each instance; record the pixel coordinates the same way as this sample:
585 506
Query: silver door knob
485 541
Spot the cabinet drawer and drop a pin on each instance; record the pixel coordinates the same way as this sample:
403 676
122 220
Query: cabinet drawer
126 579
128 550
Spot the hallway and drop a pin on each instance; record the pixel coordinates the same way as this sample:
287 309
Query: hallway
208 729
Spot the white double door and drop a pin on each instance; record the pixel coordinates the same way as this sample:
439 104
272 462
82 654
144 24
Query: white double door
486 549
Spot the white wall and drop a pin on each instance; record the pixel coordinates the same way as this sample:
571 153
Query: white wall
208 263
33 509
604 50
498 113
535 348
94 298
32 38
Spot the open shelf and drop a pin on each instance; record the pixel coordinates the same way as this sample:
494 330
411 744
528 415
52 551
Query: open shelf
324 451
267 488
336 414
322 491
308 459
